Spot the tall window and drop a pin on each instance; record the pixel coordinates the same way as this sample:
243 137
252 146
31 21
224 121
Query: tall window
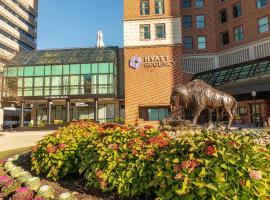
187 22
188 43
186 4
201 42
238 33
225 39
223 16
160 31
263 24
237 10
200 21
144 7
261 3
159 7
145 32
199 3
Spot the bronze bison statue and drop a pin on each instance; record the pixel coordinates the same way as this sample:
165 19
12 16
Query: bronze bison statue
198 95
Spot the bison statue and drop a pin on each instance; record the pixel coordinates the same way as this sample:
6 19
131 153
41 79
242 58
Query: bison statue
198 95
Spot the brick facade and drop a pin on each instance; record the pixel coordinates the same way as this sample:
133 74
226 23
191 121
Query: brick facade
213 27
150 86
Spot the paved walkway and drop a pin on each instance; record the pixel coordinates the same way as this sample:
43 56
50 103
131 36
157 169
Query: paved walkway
14 140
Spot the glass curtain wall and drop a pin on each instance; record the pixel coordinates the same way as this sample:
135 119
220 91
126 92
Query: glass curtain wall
70 79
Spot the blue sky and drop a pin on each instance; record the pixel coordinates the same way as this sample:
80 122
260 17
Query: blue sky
74 23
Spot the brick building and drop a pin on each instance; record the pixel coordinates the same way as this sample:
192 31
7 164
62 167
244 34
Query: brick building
195 36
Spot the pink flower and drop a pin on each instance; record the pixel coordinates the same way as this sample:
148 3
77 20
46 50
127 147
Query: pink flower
256 175
22 190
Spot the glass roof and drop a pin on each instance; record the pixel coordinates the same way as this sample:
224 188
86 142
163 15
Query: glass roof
239 72
65 56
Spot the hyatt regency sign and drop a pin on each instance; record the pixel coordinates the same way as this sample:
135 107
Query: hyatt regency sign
151 61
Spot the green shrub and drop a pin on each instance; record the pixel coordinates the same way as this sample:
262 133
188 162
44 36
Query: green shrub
152 163
42 124
58 154
30 125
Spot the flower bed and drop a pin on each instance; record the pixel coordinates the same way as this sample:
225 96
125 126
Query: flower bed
152 164
17 184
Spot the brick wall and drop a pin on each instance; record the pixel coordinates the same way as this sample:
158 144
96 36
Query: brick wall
132 9
150 86
213 27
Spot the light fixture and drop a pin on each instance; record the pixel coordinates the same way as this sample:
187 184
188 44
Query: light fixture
253 93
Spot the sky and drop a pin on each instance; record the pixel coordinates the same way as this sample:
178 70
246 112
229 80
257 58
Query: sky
74 23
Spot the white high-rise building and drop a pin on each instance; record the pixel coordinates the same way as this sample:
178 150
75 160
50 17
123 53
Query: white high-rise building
18 27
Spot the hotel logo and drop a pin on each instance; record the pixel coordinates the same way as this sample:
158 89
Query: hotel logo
151 61
135 62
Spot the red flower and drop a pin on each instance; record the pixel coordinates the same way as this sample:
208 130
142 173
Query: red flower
33 158
150 153
51 149
234 144
148 127
177 168
103 183
61 146
243 182
134 152
190 164
179 176
113 147
142 133
159 140
262 150
35 148
210 150
99 173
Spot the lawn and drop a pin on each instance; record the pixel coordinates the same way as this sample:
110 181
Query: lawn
10 153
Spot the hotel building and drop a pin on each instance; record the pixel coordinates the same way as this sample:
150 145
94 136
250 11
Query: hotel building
223 42
65 84
18 30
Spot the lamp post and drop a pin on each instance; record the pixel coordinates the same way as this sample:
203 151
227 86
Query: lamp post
254 94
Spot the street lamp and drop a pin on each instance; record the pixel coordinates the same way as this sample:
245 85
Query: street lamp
254 94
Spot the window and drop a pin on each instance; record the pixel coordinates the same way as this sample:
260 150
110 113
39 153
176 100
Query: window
200 21
145 32
188 43
238 33
160 31
201 42
199 3
225 39
187 22
223 16
159 7
263 24
237 10
153 114
186 4
144 7
261 3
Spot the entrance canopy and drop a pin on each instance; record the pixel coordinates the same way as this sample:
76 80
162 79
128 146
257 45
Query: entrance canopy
240 78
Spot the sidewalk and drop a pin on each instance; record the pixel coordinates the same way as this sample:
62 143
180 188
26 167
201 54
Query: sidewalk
14 140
